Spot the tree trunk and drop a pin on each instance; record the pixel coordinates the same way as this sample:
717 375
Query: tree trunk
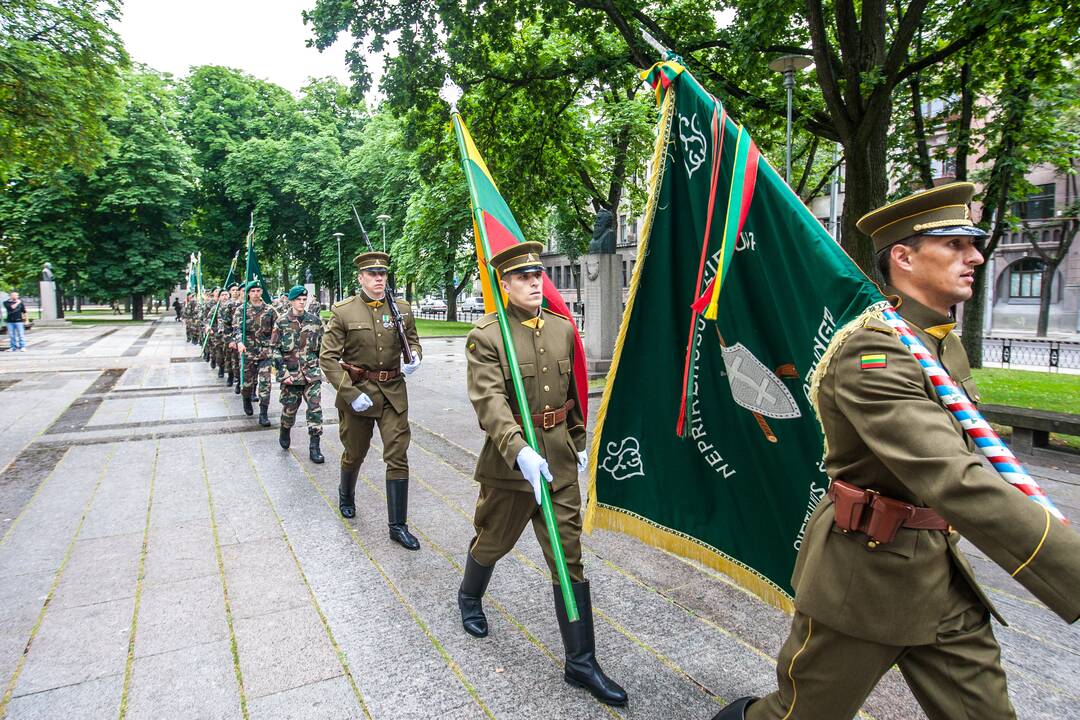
451 296
865 188
78 303
136 303
1049 268
409 290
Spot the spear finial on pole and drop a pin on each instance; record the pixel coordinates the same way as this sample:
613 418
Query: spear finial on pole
451 93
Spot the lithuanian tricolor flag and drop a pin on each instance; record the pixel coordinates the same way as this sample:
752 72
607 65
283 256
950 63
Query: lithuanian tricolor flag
490 209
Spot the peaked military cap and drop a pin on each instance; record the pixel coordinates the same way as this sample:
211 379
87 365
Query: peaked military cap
940 211
520 258
296 291
372 261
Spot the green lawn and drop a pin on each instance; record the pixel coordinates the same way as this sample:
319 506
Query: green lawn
442 328
1037 390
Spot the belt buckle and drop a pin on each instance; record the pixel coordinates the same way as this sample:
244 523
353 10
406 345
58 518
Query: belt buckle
548 414
384 375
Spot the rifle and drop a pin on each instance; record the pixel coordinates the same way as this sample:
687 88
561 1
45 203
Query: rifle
406 351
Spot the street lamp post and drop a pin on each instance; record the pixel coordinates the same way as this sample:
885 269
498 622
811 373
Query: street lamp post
337 236
383 219
788 64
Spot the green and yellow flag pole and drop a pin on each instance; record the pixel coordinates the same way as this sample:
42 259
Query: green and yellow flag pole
243 317
452 93
213 315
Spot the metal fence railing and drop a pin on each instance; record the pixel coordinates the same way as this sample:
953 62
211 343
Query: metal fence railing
1032 353
472 316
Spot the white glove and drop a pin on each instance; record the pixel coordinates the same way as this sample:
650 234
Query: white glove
410 368
582 461
362 403
532 466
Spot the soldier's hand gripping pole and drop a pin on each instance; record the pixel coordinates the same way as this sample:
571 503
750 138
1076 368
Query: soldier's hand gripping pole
406 351
515 375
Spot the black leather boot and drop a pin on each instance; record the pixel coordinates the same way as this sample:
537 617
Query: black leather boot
213 361
314 452
263 419
736 710
397 507
284 440
582 669
229 382
237 391
221 371
345 491
470 596
248 409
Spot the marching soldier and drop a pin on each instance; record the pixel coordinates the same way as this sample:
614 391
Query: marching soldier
217 340
361 357
253 342
236 291
879 579
205 309
295 345
510 471
225 330
188 313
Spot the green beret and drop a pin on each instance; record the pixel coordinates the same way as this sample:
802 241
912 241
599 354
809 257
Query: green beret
233 285
296 291
252 284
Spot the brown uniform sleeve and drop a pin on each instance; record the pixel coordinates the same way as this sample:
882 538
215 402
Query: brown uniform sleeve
575 420
332 344
917 441
487 391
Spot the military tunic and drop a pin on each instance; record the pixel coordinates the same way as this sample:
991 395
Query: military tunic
258 330
913 602
361 332
295 345
217 339
228 336
188 314
545 348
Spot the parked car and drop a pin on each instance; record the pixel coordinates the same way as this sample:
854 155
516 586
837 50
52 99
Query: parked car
472 304
432 305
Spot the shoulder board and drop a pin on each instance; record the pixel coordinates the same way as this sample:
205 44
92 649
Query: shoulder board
341 303
878 325
552 314
486 321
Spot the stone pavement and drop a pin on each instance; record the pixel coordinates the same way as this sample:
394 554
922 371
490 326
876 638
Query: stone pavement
162 557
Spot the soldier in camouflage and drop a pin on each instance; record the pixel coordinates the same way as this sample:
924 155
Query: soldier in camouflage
253 343
225 330
188 314
294 347
217 340
206 307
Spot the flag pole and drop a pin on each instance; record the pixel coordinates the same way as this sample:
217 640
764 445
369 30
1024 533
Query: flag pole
247 279
452 93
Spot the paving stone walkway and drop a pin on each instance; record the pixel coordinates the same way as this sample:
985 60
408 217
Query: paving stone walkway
162 557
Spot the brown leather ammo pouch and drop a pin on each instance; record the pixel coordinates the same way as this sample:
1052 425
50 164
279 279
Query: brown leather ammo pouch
886 517
849 504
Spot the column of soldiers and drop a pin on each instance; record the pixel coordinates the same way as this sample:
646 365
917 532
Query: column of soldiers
866 599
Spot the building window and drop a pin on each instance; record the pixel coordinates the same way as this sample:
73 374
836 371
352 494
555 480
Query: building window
624 274
1025 278
1039 205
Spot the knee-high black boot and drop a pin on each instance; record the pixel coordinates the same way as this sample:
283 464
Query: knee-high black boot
345 492
582 669
736 710
470 596
397 508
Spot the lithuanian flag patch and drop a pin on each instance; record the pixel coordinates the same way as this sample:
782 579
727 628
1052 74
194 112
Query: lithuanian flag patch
872 362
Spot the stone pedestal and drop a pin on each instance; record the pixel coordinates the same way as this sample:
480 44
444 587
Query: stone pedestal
47 288
601 275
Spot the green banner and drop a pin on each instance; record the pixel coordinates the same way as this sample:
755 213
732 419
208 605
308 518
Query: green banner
717 453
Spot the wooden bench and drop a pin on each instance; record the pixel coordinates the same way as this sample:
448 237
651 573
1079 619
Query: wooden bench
1031 428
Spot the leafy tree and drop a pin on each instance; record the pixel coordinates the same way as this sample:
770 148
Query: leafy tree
60 67
139 198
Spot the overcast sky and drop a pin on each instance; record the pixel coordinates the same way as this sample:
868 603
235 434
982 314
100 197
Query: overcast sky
264 39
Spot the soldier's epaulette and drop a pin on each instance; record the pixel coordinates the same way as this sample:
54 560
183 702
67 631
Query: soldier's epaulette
342 303
878 325
485 321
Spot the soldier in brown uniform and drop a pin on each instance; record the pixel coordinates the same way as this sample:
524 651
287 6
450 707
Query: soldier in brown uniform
361 358
510 471
865 598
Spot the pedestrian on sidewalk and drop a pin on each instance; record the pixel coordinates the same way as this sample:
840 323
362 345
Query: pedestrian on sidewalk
880 579
294 348
510 471
176 307
15 317
362 358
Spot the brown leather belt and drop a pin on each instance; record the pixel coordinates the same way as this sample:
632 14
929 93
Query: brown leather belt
357 373
550 418
876 516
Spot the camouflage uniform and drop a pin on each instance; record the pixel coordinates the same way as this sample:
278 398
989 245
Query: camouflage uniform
223 327
259 328
188 314
217 339
294 347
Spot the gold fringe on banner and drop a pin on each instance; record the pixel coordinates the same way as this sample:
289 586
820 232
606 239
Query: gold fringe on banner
659 162
608 517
